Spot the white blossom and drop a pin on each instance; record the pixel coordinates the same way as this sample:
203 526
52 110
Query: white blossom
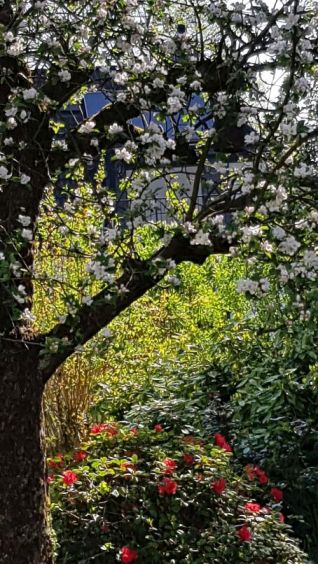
87 127
27 234
24 179
250 231
25 220
251 139
289 128
246 285
264 284
278 232
106 333
15 48
173 280
124 154
311 259
302 170
115 128
24 116
289 246
201 238
11 123
158 83
196 85
174 104
267 247
29 94
9 36
4 173
64 75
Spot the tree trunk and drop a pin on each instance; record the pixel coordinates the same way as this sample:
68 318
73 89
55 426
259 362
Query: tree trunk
24 537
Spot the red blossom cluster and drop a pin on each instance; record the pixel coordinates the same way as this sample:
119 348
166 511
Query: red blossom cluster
256 472
221 442
158 428
244 533
57 462
79 455
253 507
167 486
69 477
170 465
188 458
218 486
277 494
108 428
128 555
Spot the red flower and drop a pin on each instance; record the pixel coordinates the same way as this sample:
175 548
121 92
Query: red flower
219 486
254 471
158 428
281 518
277 494
69 477
168 486
134 430
244 533
98 428
221 442
253 507
104 427
56 461
79 455
262 477
170 465
52 464
188 458
50 479
128 555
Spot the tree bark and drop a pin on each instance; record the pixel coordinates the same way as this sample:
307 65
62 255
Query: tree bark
24 536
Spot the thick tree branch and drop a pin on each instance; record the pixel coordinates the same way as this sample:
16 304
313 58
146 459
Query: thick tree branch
6 13
137 280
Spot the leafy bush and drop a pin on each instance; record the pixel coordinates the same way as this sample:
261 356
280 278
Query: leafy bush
272 402
134 494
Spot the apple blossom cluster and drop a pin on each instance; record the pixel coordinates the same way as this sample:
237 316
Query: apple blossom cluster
207 102
253 287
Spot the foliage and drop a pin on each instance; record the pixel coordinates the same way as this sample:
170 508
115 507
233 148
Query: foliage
171 497
167 327
268 395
